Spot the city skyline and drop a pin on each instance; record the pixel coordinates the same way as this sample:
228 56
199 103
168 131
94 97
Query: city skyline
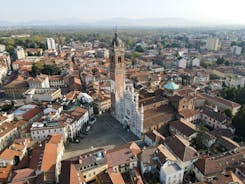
208 12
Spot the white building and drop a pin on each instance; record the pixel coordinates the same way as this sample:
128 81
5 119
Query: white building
213 44
236 50
233 80
41 131
2 48
57 82
3 71
42 95
41 81
196 62
20 52
51 44
181 63
8 134
171 173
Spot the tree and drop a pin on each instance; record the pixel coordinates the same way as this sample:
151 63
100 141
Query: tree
239 122
201 140
220 61
228 113
139 48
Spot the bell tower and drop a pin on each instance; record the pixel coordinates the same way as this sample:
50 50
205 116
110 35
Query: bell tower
117 75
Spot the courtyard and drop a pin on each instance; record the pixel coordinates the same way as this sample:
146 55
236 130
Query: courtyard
106 133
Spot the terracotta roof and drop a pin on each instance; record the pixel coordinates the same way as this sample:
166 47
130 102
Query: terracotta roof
181 148
5 172
49 157
104 178
55 138
21 174
187 113
31 113
122 154
214 115
183 126
116 178
208 166
221 100
227 178
70 174
154 117
35 157
9 154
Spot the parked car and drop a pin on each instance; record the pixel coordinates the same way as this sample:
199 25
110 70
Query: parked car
76 141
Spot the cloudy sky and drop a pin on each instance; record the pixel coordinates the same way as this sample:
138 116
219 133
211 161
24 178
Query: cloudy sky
90 10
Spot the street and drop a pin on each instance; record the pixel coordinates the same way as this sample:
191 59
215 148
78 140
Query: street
105 133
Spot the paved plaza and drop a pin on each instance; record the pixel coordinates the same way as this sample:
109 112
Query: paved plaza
106 133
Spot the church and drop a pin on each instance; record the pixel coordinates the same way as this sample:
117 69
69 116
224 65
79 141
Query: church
138 111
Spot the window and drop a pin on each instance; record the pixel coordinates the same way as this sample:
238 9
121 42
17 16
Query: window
119 59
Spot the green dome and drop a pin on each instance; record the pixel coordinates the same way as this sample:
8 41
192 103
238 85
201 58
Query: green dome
171 86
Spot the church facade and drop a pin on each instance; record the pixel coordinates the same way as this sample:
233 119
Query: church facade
124 99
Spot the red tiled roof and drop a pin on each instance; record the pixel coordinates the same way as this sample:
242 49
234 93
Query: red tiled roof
31 113
49 157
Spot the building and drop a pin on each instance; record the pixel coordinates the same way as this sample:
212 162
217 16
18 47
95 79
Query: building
183 128
16 151
51 44
57 81
213 44
195 62
90 164
181 63
42 95
70 173
139 111
3 71
221 103
123 158
215 119
51 161
40 81
20 52
117 74
16 88
170 171
233 80
186 155
236 50
8 132
41 131
2 48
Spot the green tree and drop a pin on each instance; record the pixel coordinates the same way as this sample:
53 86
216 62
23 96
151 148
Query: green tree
239 122
220 61
139 48
228 113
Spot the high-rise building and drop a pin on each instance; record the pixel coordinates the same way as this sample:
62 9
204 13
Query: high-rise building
117 74
51 44
213 44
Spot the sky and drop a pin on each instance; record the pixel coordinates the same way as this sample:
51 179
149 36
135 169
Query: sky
92 10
